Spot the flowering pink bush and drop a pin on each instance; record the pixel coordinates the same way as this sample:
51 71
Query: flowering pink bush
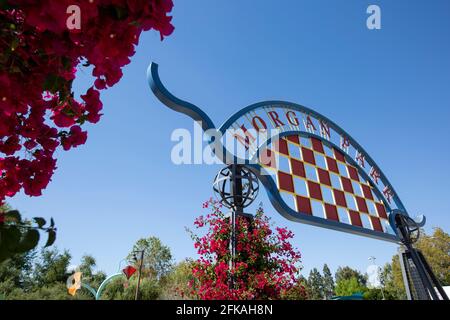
38 60
266 264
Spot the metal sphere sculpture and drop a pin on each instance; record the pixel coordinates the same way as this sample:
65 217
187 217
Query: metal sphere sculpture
223 187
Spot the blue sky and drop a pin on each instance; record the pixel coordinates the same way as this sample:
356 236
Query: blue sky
388 88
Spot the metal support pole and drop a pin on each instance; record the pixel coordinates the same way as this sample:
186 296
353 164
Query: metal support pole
432 276
420 282
136 297
401 253
236 192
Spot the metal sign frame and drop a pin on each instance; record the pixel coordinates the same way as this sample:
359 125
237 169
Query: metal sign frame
271 187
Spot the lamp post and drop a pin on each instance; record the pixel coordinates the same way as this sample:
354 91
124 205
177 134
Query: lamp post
372 258
236 187
136 296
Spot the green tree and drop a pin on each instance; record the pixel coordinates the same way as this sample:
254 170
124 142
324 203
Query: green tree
121 289
176 283
87 265
315 285
299 291
33 276
346 273
328 282
348 287
157 276
15 274
157 257
392 282
436 250
18 269
377 294
52 267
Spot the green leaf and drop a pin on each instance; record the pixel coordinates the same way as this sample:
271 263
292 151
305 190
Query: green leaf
29 241
4 252
14 44
39 221
9 238
51 238
52 223
52 83
14 215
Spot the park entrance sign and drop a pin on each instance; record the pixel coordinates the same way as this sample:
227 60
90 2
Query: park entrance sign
313 171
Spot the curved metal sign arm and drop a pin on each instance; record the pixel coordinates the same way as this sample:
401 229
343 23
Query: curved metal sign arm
175 103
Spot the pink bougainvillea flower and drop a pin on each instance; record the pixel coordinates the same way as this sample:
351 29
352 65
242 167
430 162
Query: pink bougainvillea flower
266 266
39 58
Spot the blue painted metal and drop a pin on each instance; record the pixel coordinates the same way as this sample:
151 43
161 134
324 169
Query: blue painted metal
104 283
97 294
355 296
173 102
197 114
89 288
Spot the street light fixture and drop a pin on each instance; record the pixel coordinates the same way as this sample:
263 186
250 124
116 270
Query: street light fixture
372 258
141 252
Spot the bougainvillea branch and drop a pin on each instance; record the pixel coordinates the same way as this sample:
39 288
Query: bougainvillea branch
39 55
19 236
267 266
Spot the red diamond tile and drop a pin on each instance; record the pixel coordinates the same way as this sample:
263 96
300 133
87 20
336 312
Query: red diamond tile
339 198
314 190
308 155
317 145
285 181
332 165
303 205
367 192
376 223
331 212
353 173
347 184
381 210
324 177
355 218
294 138
282 147
339 155
298 168
362 205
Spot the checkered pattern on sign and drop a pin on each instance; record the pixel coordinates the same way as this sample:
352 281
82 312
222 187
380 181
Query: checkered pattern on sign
315 179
